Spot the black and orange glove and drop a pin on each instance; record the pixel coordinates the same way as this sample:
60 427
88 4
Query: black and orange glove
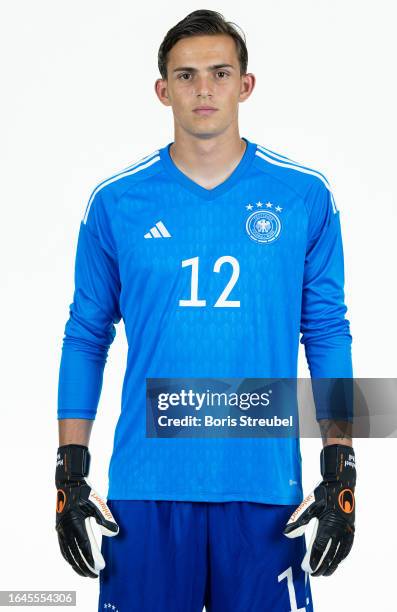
331 506
77 502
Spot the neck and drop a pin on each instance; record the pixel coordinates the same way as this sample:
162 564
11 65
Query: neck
208 161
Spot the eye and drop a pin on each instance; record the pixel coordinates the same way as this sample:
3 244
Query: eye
183 74
223 72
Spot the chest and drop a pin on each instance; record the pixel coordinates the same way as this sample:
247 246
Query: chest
254 236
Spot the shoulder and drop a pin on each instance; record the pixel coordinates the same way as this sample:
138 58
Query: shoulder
109 190
299 177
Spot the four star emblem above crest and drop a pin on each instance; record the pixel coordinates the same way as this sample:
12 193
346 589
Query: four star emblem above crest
259 204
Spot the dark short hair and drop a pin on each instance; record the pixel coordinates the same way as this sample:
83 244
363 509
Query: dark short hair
202 22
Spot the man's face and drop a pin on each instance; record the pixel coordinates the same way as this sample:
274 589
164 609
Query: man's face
204 71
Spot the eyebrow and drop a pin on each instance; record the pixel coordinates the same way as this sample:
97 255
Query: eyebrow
214 67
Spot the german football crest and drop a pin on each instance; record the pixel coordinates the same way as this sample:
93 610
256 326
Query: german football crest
263 225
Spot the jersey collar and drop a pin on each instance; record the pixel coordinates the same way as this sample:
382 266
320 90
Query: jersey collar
208 194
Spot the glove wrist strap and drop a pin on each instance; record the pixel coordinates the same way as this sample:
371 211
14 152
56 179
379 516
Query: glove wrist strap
337 462
73 463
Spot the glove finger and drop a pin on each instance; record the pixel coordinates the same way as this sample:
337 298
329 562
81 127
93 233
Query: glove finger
348 545
81 533
68 556
323 543
63 549
80 560
102 514
323 557
75 538
309 548
109 530
305 512
92 548
341 554
318 550
334 563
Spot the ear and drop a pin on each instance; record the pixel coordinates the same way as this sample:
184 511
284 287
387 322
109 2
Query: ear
161 90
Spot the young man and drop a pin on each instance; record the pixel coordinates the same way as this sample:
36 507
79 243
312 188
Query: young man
216 252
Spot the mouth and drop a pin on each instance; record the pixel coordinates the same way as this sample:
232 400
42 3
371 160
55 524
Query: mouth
205 110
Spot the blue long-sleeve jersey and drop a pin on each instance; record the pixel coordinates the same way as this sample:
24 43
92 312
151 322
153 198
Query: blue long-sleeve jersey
210 283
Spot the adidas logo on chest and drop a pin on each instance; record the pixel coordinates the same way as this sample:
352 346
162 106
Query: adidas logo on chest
158 231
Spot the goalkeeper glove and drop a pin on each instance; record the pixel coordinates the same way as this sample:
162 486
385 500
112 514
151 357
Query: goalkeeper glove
76 503
332 508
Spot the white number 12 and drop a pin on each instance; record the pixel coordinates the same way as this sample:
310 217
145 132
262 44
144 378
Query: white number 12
222 301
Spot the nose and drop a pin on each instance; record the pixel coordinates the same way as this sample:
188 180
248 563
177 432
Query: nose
202 86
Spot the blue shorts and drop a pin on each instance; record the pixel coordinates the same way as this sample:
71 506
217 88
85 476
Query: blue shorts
177 556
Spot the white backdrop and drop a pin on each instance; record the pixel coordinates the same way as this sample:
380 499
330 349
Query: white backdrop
78 103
